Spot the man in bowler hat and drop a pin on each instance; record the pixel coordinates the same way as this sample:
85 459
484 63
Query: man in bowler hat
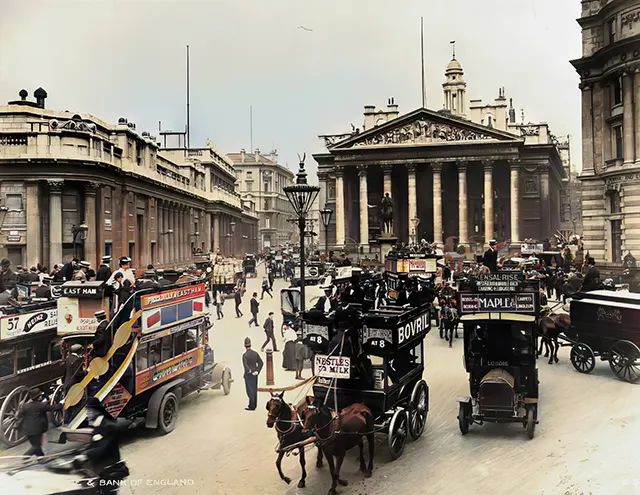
252 364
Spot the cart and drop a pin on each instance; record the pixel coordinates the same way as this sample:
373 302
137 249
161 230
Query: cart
605 324
500 321
249 266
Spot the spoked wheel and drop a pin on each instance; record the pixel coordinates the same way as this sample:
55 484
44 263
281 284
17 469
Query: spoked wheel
583 358
10 434
57 417
419 409
398 433
531 422
226 381
625 361
463 418
168 413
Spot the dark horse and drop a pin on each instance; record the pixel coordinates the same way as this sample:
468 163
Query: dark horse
449 320
339 433
289 427
550 326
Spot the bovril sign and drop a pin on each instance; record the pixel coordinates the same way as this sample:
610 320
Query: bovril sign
418 326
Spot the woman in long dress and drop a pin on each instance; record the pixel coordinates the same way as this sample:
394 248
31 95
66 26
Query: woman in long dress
289 353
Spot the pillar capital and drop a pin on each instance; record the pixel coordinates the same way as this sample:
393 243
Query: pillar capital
91 188
488 165
338 171
322 176
436 167
386 169
462 165
411 168
362 170
55 186
514 163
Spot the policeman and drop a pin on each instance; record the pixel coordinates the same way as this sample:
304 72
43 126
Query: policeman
252 366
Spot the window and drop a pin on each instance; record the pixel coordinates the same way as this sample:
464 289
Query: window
166 348
611 30
54 351
249 174
614 202
25 358
142 362
41 355
179 343
616 241
154 352
331 189
618 142
83 150
107 200
192 338
14 201
6 362
617 91
266 205
489 121
249 186
267 223
453 103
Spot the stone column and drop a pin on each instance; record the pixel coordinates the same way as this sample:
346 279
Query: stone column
515 202
166 238
152 222
387 184
545 203
488 201
159 231
55 221
34 252
437 203
364 206
216 232
636 91
207 232
90 248
413 201
627 118
587 130
463 227
340 213
175 237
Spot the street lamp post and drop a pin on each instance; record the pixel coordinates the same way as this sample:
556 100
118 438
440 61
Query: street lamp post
78 231
301 196
325 215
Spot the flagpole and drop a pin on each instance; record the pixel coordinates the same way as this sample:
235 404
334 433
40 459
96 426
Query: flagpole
424 89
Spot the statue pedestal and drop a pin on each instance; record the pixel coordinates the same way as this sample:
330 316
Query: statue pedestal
386 241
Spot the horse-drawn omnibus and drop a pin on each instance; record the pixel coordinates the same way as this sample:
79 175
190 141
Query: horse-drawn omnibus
29 357
159 355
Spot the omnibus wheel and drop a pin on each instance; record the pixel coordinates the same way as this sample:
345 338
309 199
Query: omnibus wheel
398 433
168 413
10 434
531 422
57 417
419 410
226 381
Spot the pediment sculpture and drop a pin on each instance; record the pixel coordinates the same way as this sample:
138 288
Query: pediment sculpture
423 130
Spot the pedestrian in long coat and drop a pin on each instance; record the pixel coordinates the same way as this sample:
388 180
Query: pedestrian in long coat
252 365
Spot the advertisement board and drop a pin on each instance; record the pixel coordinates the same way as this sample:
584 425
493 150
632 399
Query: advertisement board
332 366
12 326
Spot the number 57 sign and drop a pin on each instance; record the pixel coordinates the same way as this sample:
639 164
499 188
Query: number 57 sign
332 366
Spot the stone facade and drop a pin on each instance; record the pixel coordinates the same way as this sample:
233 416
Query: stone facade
261 179
452 180
609 71
156 205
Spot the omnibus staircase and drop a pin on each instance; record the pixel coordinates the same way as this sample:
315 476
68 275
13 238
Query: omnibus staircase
109 369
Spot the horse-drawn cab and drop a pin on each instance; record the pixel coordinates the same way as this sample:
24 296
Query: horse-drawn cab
499 316
249 266
400 267
375 358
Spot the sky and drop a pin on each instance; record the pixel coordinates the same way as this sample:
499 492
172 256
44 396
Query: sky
305 67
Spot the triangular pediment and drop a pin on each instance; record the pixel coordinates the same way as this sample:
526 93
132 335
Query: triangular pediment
424 127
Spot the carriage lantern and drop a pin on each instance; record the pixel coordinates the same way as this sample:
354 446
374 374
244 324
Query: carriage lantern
325 215
301 195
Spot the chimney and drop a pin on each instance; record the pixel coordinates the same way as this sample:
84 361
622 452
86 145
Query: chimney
23 94
257 154
242 155
369 117
40 95
392 109
512 112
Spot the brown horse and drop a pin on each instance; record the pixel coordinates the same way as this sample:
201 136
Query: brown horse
550 326
338 433
289 428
